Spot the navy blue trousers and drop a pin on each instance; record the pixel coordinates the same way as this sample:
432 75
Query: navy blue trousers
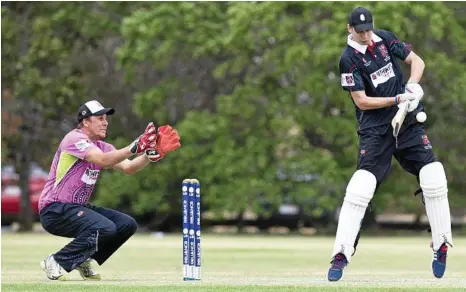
377 146
98 232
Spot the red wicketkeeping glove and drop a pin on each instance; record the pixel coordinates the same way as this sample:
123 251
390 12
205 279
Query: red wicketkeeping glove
167 140
148 140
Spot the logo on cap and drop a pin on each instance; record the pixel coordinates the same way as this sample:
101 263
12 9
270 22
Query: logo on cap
362 17
83 113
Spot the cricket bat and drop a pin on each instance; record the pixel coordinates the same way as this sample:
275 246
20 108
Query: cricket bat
399 117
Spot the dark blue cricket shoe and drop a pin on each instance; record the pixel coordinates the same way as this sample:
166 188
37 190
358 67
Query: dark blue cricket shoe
335 272
439 263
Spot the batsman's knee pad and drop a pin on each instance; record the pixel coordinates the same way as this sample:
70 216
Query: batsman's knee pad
361 188
433 180
359 193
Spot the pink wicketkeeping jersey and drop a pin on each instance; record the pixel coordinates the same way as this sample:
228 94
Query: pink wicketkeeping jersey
71 178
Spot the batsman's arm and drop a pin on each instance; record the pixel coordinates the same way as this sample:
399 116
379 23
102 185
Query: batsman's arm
404 52
132 166
365 102
351 80
417 67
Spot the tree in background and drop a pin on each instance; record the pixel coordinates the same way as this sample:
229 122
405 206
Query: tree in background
53 56
253 89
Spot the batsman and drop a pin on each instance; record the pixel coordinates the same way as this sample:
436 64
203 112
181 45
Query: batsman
371 74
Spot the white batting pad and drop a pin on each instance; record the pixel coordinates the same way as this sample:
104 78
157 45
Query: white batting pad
433 182
359 193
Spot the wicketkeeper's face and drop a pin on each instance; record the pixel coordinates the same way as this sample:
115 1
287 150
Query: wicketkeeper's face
97 126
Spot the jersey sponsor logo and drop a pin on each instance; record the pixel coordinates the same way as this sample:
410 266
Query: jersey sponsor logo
82 145
382 75
347 79
90 176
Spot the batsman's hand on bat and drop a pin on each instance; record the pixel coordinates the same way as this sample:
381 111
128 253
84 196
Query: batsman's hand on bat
167 140
409 97
148 140
416 89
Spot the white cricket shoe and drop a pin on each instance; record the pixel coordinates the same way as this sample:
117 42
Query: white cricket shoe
52 269
86 272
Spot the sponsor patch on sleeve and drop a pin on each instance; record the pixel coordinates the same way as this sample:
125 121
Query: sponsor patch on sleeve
347 79
82 145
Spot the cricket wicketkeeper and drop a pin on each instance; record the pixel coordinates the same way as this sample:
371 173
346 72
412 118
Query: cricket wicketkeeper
370 72
97 232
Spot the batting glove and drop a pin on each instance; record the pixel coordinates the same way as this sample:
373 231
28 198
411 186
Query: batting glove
416 89
409 97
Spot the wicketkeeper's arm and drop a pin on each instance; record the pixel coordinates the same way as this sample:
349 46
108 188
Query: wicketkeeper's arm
107 159
138 146
132 166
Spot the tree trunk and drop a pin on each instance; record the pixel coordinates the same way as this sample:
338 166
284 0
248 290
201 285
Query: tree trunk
23 157
25 215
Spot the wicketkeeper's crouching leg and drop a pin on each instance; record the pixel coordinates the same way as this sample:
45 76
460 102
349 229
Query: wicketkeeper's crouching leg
359 193
98 232
433 182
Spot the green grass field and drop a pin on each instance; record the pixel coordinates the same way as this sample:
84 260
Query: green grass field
239 263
